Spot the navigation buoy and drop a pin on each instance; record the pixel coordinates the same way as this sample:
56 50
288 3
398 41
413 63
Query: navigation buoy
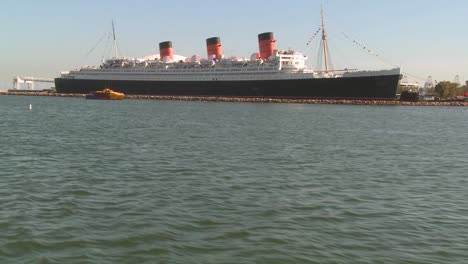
30 107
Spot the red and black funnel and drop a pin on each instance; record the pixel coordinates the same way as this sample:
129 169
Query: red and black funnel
266 42
214 47
166 50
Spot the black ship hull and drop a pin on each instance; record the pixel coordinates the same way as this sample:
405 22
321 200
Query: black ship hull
381 87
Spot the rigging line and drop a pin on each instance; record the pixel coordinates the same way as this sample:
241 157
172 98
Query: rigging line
310 43
342 56
95 46
107 48
365 49
312 53
414 76
330 61
319 56
313 36
104 35
388 62
116 49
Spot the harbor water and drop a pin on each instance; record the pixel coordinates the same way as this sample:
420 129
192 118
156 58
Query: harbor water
142 181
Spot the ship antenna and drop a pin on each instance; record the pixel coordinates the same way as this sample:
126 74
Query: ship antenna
116 50
324 41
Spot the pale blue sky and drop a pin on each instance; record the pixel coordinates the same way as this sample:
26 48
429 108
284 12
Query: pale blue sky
42 38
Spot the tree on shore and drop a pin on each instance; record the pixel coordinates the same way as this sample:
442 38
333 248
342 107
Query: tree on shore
447 89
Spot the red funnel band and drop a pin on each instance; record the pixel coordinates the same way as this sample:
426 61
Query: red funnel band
267 48
167 52
215 49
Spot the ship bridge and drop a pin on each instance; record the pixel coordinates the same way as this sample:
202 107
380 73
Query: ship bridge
291 60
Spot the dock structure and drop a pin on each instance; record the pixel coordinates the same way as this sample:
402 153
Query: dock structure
29 81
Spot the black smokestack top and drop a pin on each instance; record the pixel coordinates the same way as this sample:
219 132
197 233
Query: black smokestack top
265 36
214 40
165 45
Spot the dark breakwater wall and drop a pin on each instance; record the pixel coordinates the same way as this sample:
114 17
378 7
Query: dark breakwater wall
258 99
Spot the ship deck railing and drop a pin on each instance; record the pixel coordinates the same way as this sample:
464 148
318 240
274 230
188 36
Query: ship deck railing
194 71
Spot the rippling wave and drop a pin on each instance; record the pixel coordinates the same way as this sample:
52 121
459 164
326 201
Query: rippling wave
192 182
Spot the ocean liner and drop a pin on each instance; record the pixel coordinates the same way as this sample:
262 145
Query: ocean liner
270 73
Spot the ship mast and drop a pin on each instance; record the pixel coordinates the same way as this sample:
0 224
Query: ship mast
116 50
324 41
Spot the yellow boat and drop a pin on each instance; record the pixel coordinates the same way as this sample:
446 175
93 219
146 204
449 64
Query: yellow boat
106 94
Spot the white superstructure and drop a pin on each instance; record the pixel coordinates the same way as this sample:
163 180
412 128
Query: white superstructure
281 65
